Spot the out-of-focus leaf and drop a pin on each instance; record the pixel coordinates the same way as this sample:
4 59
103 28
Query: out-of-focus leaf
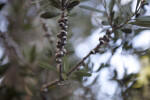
145 18
64 76
126 30
141 23
82 73
48 15
3 68
90 8
118 20
73 4
66 66
84 0
140 30
55 3
111 5
120 7
112 15
46 66
32 54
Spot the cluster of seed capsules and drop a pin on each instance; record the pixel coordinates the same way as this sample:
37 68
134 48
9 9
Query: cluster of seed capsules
61 51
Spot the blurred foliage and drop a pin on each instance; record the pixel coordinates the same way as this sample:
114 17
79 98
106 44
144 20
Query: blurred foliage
23 77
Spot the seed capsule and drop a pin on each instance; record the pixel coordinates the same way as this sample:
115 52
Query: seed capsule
64 28
63 32
64 51
102 42
58 60
60 35
65 19
93 52
100 38
61 24
59 46
64 38
106 38
59 54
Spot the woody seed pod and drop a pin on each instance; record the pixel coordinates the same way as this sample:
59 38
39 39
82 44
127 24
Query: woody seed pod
63 32
58 60
61 24
102 42
64 38
65 19
93 52
64 28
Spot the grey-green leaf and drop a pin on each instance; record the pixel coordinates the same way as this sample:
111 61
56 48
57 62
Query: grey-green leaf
111 5
46 66
64 76
145 18
90 8
48 15
32 54
141 23
55 3
73 4
126 30
82 73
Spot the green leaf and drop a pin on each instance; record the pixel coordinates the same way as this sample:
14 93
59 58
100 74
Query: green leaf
56 3
73 4
90 8
82 73
126 30
145 18
111 5
120 7
64 76
83 0
48 15
32 54
141 23
66 66
47 66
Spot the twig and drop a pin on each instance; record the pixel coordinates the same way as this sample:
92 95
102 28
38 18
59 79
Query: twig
104 39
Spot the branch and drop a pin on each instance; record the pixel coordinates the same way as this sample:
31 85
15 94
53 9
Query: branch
103 40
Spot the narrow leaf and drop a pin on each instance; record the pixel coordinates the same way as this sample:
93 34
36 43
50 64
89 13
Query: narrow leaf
141 23
82 73
32 54
145 18
126 30
73 4
46 66
48 15
56 3
120 7
111 5
64 76
90 8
